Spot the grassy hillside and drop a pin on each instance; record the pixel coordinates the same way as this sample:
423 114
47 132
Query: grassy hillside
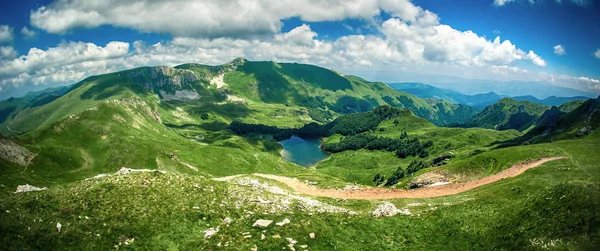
361 166
176 124
265 92
508 114
552 206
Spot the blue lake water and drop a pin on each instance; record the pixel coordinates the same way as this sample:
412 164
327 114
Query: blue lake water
304 152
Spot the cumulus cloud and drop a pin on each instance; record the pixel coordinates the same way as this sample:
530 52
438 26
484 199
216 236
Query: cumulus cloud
7 52
597 53
66 62
27 33
559 50
6 33
411 39
205 18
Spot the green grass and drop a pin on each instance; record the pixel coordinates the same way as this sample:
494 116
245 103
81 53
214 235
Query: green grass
556 202
361 166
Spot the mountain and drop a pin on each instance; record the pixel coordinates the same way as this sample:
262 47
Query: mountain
10 107
555 124
550 101
540 90
478 101
241 89
508 114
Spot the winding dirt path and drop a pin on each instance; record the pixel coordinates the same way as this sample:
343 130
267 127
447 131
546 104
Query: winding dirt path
375 193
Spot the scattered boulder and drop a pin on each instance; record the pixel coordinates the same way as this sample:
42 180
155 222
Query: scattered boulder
286 221
262 223
210 232
14 153
28 188
584 131
311 235
227 221
58 226
276 236
387 210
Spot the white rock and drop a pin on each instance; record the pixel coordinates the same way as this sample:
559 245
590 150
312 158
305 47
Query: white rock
28 188
286 221
210 232
227 221
388 209
262 223
262 236
58 226
311 235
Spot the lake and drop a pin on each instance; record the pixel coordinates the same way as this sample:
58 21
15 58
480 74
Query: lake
304 152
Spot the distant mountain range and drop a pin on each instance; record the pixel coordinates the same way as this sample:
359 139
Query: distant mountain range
477 101
540 90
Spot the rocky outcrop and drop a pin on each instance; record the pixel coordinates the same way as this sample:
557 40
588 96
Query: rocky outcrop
163 76
14 153
29 188
584 131
388 209
428 178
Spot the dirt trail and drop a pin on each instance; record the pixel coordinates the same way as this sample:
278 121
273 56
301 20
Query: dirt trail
375 193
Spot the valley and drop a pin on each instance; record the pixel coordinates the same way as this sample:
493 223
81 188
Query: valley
351 164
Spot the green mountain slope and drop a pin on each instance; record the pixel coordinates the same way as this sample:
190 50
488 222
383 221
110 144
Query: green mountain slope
556 125
508 114
254 91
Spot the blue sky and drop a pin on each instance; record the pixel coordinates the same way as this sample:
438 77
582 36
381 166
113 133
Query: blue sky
64 41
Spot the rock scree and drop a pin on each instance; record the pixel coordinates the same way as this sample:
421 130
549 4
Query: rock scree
12 152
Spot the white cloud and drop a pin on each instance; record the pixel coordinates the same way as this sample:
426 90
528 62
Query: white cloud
597 53
27 32
582 3
412 40
45 64
207 18
502 2
6 33
7 52
301 35
535 59
559 50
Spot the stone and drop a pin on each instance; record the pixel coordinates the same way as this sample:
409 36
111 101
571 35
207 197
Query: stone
311 235
14 153
286 221
58 226
385 210
28 188
276 236
262 236
304 246
262 223
227 221
210 232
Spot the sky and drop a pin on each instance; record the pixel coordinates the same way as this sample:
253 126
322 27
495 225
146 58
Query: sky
45 43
